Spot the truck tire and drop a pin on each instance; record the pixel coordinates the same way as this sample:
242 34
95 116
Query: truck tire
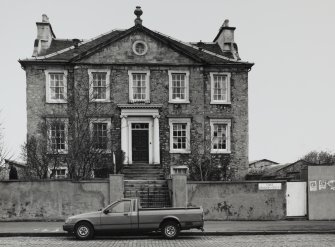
83 231
170 230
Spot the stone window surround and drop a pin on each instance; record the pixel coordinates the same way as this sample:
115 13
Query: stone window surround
66 122
188 132
228 134
47 85
90 75
147 83
187 76
228 101
145 47
109 126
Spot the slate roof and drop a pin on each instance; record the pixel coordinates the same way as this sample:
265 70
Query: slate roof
57 45
65 51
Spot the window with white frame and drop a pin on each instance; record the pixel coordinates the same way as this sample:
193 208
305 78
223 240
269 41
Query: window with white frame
99 80
220 88
180 135
100 134
56 86
179 87
139 86
57 135
220 135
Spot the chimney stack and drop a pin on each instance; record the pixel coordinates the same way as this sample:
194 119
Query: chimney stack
225 39
45 35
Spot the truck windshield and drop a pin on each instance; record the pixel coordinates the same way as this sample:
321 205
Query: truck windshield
120 207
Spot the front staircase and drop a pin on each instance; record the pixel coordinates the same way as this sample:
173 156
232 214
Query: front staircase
147 182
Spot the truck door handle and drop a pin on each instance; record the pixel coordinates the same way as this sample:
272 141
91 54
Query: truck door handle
126 214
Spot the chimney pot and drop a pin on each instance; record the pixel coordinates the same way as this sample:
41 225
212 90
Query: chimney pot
45 18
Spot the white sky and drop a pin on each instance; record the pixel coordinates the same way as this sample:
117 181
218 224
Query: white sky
292 42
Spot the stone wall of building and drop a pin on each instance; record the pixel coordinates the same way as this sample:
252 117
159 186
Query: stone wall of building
159 61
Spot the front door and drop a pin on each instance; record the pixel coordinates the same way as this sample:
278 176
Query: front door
296 200
140 142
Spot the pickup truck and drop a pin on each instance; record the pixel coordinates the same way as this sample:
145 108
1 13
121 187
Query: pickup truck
125 216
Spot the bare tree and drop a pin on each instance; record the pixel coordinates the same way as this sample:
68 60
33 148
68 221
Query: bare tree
81 141
207 166
321 158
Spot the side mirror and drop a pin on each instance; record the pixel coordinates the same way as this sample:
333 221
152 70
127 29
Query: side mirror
106 211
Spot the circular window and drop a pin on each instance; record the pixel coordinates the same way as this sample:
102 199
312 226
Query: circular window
140 48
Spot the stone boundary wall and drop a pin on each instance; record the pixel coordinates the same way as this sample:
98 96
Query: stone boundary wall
238 200
321 192
50 199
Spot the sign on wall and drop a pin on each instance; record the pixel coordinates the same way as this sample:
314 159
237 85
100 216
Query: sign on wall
322 184
269 186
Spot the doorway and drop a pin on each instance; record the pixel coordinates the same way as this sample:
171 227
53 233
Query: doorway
296 199
140 142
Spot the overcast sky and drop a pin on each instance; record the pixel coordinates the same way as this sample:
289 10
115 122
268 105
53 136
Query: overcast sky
292 42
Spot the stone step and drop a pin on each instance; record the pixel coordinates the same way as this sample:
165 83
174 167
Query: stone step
144 177
144 171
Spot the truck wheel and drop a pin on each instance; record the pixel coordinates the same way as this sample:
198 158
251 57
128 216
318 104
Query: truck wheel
83 231
170 230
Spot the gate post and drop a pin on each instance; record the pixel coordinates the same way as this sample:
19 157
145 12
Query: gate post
116 187
179 190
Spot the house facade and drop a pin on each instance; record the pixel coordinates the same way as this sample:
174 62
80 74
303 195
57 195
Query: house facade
159 100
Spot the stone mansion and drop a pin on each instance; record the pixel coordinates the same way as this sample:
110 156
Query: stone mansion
162 101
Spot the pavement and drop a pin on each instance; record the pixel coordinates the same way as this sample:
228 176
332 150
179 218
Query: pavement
211 228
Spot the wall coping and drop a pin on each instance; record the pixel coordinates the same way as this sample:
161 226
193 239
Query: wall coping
104 180
237 182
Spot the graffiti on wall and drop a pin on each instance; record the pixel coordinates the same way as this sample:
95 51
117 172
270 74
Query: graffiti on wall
322 184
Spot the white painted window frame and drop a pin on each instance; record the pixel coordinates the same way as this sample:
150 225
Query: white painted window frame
228 98
147 86
47 86
109 126
187 89
188 134
228 134
90 76
66 122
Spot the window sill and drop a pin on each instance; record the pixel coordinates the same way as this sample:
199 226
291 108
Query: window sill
100 101
134 101
179 102
56 102
58 152
180 151
220 151
220 103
